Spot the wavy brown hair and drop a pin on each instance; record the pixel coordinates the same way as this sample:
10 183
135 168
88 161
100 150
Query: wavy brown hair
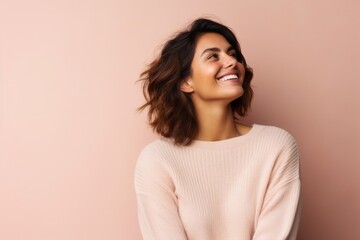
171 112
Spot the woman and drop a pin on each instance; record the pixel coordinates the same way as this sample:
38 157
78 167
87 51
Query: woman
209 177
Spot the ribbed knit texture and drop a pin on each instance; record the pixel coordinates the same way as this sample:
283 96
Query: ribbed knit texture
242 188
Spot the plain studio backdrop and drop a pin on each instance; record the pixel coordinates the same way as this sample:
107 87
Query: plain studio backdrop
70 135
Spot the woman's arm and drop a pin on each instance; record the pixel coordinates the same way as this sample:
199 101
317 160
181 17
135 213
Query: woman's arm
156 201
280 214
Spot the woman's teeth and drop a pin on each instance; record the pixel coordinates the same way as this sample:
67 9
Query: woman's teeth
228 77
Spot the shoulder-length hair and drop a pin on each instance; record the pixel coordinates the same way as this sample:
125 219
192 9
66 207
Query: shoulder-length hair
171 111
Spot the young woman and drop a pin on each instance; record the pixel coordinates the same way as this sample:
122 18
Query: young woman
209 177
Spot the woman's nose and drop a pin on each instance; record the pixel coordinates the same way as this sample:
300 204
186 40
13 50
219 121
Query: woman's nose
229 61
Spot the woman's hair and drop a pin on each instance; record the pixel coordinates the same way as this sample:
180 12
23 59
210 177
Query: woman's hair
171 111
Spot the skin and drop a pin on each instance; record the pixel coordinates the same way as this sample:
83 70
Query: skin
211 97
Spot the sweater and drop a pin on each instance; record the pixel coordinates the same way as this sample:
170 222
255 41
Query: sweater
241 188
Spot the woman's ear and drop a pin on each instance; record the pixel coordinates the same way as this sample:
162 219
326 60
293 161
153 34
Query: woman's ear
186 86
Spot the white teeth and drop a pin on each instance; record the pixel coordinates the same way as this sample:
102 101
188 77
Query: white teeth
228 77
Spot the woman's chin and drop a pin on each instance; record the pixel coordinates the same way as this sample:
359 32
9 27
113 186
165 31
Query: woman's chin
235 93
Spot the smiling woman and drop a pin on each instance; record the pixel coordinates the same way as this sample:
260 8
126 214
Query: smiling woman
180 75
209 177
216 73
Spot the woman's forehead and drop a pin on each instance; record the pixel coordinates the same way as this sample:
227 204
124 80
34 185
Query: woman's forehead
211 40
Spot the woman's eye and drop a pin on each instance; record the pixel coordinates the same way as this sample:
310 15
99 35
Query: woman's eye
233 55
213 56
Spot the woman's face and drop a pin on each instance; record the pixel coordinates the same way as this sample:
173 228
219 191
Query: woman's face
216 74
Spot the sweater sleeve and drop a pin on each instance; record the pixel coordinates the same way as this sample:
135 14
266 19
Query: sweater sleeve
280 214
156 200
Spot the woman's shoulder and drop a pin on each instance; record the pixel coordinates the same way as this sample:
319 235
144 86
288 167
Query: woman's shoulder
268 132
157 150
149 157
152 148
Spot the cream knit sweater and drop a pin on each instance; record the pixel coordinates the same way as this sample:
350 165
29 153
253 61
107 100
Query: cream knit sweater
242 188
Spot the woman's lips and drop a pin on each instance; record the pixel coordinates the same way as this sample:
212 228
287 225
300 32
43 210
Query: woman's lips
229 77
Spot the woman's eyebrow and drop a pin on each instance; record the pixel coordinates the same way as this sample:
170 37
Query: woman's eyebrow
215 49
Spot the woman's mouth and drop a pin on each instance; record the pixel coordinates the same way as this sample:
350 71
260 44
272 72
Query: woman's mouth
229 77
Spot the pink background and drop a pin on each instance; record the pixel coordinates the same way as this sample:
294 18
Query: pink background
70 135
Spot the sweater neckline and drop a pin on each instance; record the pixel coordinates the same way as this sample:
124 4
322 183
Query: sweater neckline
226 143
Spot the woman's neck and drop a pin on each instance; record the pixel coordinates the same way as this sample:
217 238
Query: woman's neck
216 123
